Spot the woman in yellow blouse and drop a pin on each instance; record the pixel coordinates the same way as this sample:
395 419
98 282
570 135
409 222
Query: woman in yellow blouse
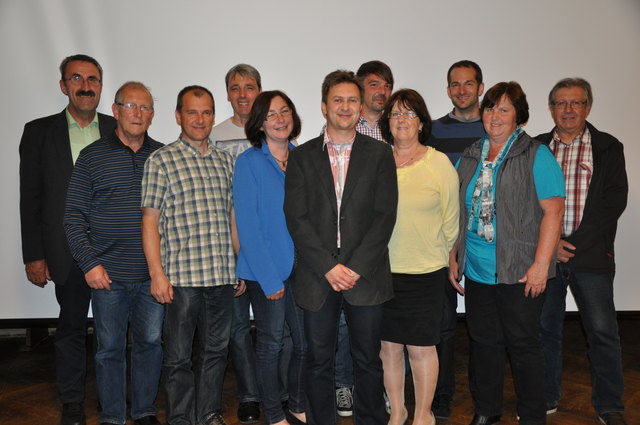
425 231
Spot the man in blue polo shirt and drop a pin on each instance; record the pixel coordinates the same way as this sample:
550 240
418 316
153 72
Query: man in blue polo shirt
102 222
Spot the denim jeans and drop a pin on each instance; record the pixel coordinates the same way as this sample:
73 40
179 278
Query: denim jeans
321 329
502 320
242 353
127 304
344 365
270 318
593 293
194 392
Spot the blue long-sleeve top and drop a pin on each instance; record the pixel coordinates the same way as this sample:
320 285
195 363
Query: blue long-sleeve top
266 248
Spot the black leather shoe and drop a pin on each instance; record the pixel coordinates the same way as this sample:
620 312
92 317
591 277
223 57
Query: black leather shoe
485 420
249 412
612 418
147 420
73 414
292 419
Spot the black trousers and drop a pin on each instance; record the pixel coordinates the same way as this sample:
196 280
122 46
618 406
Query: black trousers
321 328
446 367
70 343
502 320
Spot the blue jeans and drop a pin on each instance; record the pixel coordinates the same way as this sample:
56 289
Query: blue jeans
593 293
344 365
113 310
242 352
195 392
270 317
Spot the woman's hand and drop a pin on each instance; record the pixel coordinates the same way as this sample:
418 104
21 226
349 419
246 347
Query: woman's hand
454 273
276 295
536 279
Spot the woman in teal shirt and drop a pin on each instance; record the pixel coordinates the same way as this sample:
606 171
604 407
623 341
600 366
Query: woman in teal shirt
511 207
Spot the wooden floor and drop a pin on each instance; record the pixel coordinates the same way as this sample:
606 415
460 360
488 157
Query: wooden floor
28 393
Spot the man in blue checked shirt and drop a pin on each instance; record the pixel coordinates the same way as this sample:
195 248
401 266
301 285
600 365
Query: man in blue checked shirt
187 210
102 223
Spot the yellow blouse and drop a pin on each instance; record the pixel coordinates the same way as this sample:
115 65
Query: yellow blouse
427 223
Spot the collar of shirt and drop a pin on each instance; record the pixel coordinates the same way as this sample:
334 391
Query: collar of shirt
583 137
327 139
115 142
452 115
72 123
194 150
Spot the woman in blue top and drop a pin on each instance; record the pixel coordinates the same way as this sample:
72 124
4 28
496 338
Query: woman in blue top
511 207
266 257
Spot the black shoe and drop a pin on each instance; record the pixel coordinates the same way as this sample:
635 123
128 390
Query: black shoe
612 418
147 420
440 407
485 420
249 412
292 419
73 414
344 401
214 418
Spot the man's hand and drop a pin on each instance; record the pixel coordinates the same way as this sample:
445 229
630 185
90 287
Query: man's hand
276 295
565 251
97 278
162 289
239 287
37 272
341 278
536 279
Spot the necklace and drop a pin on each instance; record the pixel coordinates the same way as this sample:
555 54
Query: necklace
283 163
412 156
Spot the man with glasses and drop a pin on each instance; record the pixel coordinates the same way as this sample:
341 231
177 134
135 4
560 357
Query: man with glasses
48 149
102 222
596 181
451 134
243 85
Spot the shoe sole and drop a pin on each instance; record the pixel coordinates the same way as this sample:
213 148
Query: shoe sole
345 414
552 410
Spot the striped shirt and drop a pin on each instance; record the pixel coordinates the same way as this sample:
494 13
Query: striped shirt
451 135
576 161
194 196
102 215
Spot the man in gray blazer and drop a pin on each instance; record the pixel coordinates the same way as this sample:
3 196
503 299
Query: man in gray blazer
48 150
340 202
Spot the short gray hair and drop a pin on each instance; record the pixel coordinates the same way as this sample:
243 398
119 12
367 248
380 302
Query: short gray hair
129 84
565 83
244 70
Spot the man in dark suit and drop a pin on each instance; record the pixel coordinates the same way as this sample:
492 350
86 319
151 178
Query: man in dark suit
340 202
48 149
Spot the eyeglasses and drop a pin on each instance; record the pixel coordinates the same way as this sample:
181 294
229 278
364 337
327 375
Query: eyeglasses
79 79
397 115
575 104
134 107
283 113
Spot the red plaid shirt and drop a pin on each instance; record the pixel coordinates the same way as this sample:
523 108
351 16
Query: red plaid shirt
339 155
576 161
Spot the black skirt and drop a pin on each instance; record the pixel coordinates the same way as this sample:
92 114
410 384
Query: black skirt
414 314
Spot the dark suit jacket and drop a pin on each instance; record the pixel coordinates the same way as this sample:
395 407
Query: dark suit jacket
367 217
45 170
606 200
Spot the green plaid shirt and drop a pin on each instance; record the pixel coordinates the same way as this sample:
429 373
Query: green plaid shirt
194 195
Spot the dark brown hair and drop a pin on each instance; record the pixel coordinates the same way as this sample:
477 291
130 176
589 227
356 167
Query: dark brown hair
260 109
514 93
338 77
411 100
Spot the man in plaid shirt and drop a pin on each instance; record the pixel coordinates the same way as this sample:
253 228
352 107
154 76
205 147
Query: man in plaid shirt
596 186
187 238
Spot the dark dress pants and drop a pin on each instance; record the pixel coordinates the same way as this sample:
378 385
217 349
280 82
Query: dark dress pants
321 329
70 343
446 373
502 320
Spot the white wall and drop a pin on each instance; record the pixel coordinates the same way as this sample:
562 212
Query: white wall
294 44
